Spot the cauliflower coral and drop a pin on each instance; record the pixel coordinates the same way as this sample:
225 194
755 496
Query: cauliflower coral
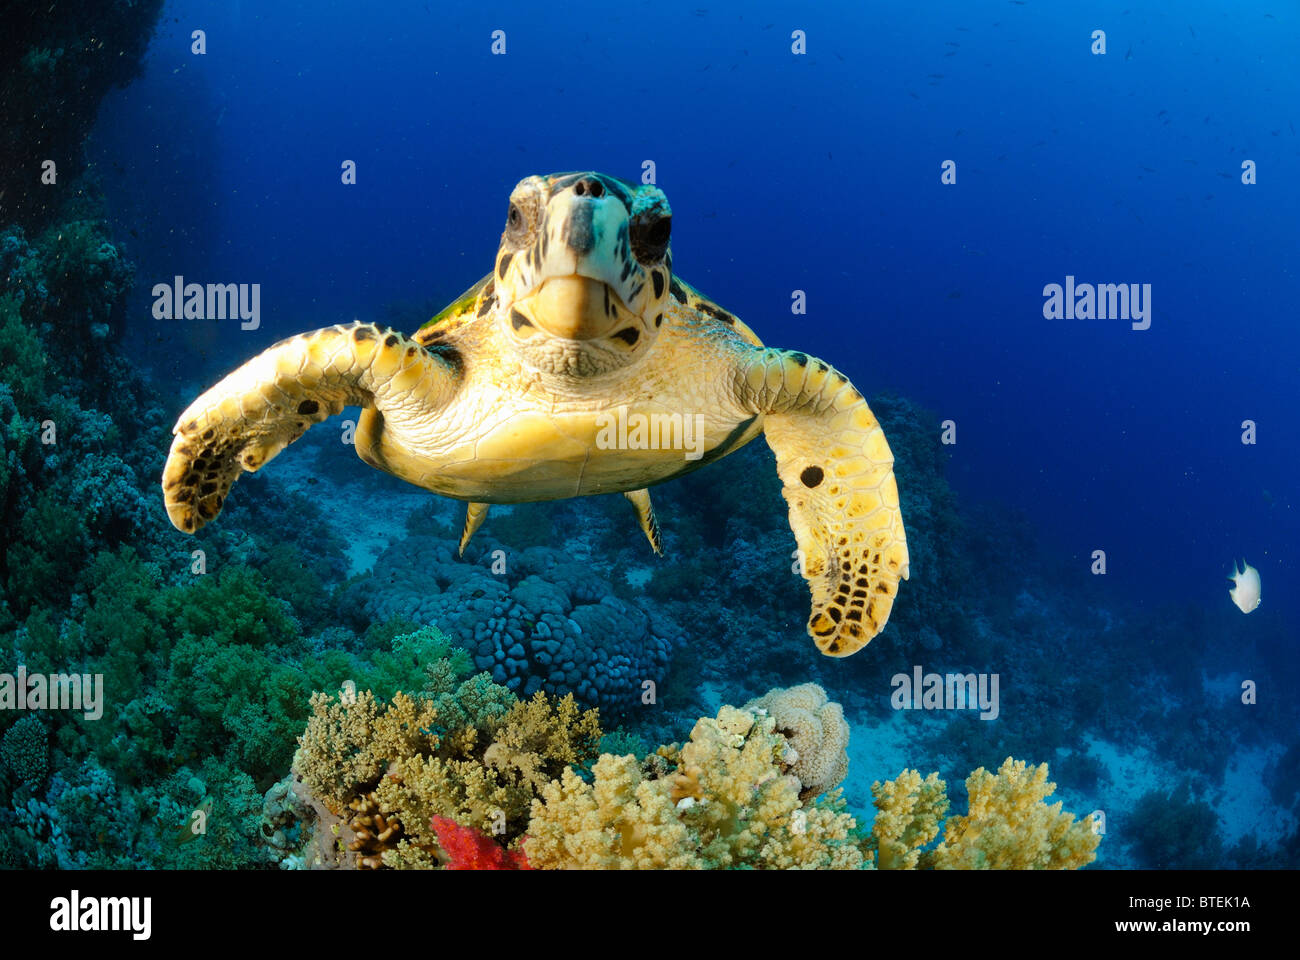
817 733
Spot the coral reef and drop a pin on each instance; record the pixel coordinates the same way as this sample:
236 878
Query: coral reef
724 804
473 753
1179 829
546 622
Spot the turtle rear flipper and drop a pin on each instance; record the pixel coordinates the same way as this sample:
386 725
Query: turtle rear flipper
251 415
837 473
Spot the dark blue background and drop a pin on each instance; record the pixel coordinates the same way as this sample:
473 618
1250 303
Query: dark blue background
817 172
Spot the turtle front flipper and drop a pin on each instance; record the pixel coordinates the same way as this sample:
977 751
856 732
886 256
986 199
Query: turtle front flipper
256 411
837 473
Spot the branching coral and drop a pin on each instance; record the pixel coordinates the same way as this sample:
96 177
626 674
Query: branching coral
909 815
1008 827
348 746
379 776
1011 827
726 804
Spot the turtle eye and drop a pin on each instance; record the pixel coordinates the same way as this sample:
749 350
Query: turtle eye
649 236
516 223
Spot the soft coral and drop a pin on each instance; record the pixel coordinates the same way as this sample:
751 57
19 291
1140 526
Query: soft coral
470 849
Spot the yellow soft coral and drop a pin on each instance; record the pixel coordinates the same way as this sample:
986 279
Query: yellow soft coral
348 745
817 732
536 740
1010 827
909 814
726 804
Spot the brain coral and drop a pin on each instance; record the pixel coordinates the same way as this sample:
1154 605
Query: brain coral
545 623
816 731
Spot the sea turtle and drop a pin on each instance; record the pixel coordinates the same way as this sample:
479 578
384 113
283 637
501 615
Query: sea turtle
580 365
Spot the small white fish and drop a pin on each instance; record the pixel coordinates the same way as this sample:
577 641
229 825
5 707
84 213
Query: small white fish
1245 587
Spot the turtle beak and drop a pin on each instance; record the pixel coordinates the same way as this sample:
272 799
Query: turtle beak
576 308
587 264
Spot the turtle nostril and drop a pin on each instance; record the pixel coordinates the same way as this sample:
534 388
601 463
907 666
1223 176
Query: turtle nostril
589 187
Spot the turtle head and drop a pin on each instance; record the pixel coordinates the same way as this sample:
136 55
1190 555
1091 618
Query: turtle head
583 271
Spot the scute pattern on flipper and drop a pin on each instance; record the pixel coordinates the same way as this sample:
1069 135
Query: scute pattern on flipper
837 476
247 418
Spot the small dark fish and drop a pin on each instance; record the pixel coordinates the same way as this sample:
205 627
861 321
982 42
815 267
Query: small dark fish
1226 176
955 295
1162 113
828 155
935 76
1128 55
951 53
711 216
951 43
1149 169
914 96
1190 30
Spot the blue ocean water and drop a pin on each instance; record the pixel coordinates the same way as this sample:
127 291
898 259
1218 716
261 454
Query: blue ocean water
818 172
921 173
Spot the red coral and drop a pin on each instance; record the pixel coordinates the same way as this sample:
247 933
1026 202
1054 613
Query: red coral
470 849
